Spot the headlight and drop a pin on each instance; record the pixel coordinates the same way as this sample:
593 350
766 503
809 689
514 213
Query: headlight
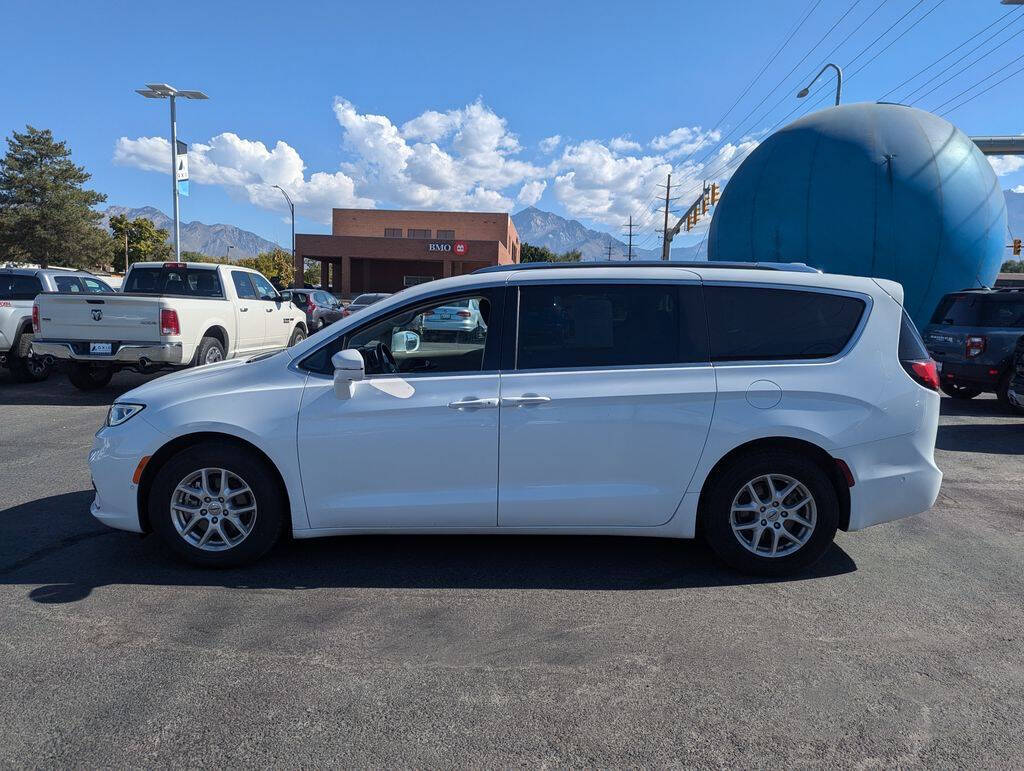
119 413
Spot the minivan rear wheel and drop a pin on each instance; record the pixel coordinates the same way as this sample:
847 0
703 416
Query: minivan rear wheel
770 512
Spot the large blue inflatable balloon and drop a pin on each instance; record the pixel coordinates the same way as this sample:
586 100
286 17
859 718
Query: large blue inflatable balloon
877 190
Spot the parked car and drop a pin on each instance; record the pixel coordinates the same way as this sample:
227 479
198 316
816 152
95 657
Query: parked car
172 314
972 336
18 290
762 409
362 301
1015 393
321 308
460 320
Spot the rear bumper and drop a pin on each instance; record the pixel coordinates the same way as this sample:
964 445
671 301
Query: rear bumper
123 353
973 375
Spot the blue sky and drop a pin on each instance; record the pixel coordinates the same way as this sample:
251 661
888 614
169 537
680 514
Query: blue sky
448 104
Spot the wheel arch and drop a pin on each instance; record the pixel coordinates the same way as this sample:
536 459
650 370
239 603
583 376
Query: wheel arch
217 332
821 457
180 443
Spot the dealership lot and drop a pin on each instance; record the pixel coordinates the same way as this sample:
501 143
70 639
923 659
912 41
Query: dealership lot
903 646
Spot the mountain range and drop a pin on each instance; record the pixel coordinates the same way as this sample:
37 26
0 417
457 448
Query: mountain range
196 236
535 226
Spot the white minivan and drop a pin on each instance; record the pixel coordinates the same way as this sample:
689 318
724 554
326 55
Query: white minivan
761 408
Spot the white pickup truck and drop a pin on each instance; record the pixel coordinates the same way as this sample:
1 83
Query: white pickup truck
175 314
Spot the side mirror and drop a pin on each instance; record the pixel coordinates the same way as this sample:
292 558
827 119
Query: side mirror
405 342
349 369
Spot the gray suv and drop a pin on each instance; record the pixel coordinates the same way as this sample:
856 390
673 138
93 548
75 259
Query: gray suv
972 337
321 307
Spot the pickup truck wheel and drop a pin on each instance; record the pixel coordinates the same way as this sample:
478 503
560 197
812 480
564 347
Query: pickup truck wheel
297 337
216 505
89 377
209 351
30 369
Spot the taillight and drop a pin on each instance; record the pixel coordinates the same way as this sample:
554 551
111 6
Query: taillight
169 322
35 319
974 346
923 372
464 314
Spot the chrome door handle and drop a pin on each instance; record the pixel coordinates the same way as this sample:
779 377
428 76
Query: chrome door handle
472 404
270 310
524 401
243 310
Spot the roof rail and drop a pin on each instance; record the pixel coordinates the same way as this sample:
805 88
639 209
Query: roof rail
797 267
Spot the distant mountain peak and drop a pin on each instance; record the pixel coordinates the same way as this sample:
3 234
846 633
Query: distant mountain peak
197 236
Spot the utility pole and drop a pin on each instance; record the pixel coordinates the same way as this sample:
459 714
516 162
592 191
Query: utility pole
126 250
609 251
629 232
665 241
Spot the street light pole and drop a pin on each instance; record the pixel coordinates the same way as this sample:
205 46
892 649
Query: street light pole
298 279
839 82
164 91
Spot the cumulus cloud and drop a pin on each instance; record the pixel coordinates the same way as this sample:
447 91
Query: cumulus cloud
1017 189
549 144
1006 164
466 158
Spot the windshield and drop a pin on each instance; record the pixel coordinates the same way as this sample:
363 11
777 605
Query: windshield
192 282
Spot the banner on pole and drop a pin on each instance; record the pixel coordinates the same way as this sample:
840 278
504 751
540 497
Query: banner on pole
181 171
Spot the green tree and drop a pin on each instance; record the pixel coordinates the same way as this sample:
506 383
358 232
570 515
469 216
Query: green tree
531 253
1013 266
46 213
276 265
311 276
146 242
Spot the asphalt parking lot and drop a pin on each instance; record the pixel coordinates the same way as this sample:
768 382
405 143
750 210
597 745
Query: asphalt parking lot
903 647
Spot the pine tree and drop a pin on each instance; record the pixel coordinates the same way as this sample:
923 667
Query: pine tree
46 214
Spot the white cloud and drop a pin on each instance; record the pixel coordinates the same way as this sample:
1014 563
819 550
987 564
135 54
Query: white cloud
531 192
465 158
548 144
1006 164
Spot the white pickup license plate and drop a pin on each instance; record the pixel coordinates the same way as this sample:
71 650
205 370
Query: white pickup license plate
100 349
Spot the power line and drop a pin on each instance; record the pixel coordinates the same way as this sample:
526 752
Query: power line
975 85
985 91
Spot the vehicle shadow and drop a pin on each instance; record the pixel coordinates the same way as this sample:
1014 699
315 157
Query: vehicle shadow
57 390
996 438
980 406
55 542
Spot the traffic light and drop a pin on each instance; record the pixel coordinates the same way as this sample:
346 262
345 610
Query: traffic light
1016 247
714 193
703 205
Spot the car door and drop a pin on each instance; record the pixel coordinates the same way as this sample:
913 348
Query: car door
252 322
280 316
412 449
606 412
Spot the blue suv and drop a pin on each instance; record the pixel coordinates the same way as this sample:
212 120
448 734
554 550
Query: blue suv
972 336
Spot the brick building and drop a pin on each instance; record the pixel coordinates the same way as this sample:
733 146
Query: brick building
372 250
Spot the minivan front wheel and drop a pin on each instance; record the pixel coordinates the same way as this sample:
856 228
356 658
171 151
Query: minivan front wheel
770 513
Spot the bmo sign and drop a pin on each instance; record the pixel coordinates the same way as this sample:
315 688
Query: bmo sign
458 247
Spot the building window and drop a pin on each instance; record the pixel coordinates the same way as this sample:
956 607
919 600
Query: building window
416 233
415 280
392 232
446 235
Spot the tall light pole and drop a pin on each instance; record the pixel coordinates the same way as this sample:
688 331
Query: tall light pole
164 91
839 82
298 279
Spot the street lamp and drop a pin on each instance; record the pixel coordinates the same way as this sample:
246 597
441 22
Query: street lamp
164 91
839 82
298 273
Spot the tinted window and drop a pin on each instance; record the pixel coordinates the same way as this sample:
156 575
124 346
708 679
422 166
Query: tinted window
67 284
752 323
911 346
192 282
981 310
14 286
242 285
600 325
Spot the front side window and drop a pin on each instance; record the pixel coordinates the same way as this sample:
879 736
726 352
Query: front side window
263 287
95 286
242 285
758 324
441 337
610 325
17 286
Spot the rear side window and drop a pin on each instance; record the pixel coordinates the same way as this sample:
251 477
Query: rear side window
15 286
242 285
758 324
911 346
608 325
191 282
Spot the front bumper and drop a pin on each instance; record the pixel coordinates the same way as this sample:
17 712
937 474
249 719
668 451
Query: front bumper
115 455
123 352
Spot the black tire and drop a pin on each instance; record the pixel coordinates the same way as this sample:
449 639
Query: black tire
717 503
90 377
1003 393
270 514
958 391
298 335
31 369
210 351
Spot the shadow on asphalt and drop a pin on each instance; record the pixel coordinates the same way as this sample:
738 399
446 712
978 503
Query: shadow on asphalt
996 438
56 543
57 390
979 407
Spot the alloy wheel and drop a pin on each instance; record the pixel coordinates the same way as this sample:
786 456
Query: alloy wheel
213 509
773 515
